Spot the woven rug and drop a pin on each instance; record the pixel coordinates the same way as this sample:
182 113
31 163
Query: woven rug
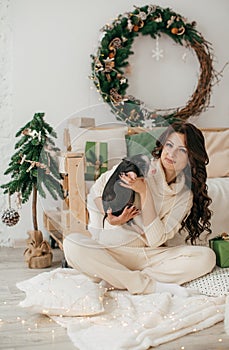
214 284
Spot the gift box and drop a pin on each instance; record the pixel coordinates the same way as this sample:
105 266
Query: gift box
220 245
82 122
96 159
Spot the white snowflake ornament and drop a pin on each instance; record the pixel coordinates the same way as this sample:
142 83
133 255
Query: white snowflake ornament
148 123
157 52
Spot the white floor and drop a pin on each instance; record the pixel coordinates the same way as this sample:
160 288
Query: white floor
21 329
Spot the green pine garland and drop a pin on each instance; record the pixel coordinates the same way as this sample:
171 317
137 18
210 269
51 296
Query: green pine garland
115 48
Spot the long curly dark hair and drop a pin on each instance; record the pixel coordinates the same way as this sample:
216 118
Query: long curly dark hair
199 217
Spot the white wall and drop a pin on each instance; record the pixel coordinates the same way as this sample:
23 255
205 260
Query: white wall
48 63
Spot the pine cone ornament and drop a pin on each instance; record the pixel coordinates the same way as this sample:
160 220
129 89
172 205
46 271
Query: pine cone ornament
10 217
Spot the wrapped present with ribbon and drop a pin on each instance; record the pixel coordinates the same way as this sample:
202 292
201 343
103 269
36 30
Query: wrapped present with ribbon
220 245
96 159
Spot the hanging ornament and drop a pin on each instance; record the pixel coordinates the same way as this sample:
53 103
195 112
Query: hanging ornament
115 96
116 43
157 52
10 216
122 80
157 18
22 159
18 200
33 164
170 21
142 15
98 65
32 133
178 31
109 64
184 56
134 115
129 25
148 123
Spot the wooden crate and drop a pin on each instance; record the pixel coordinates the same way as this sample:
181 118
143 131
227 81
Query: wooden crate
72 216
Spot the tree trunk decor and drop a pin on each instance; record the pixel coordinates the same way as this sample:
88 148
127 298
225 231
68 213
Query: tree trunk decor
33 166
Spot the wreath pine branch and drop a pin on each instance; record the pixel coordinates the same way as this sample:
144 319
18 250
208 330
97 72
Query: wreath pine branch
108 65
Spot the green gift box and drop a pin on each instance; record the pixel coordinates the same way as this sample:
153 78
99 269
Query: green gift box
220 245
96 159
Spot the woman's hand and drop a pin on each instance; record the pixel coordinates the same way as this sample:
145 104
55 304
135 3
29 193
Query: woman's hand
127 214
136 184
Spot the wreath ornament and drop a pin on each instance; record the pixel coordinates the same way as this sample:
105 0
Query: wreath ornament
111 60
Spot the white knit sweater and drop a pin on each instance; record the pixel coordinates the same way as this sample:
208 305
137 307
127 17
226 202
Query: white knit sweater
172 202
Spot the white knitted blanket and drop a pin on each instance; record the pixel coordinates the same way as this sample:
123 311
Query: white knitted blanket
122 320
141 322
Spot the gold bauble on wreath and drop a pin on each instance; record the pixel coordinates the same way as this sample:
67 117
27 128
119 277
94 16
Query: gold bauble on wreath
110 61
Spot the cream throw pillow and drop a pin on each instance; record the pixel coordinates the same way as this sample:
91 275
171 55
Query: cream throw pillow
62 292
114 136
217 146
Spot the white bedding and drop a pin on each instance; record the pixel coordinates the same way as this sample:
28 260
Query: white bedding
140 322
124 321
218 190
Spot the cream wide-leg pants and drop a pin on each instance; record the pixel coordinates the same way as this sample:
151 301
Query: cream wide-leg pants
137 269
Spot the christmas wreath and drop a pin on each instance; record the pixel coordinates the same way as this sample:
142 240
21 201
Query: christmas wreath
108 65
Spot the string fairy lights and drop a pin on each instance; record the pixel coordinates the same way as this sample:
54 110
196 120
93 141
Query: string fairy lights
122 317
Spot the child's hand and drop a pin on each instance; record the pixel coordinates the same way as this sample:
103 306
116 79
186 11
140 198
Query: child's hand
127 214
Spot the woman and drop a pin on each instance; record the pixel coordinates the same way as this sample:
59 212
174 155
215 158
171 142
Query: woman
172 198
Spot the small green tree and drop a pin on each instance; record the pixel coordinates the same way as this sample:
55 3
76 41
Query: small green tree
34 164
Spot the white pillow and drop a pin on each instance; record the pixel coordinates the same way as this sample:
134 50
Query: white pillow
62 292
114 136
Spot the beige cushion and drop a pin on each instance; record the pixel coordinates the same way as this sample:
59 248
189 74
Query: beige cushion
217 146
62 292
114 136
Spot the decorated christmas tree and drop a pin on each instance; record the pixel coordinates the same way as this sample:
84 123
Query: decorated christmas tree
33 168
